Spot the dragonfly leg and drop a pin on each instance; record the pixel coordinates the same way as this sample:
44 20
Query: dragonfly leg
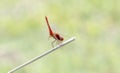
59 42
49 37
53 43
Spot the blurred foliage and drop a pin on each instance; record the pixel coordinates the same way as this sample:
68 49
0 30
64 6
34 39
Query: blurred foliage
24 35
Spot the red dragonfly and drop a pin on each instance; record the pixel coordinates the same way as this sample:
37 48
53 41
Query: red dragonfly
56 36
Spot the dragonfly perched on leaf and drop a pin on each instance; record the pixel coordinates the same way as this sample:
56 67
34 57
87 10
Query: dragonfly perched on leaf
55 35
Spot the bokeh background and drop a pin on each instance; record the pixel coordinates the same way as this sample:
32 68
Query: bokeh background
24 35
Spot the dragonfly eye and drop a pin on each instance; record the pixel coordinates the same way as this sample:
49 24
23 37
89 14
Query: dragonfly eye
61 38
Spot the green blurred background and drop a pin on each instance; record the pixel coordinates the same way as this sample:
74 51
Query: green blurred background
24 35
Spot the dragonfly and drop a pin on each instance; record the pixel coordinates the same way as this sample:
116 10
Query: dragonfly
52 34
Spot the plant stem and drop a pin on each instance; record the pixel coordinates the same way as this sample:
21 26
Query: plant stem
42 55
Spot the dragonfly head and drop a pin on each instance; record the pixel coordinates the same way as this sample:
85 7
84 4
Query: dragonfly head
58 37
